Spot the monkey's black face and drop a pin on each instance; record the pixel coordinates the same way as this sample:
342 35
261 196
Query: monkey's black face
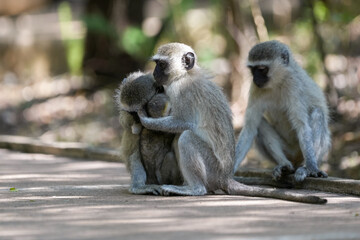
260 77
161 71
159 74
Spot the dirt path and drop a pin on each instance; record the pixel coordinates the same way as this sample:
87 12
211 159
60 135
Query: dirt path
63 198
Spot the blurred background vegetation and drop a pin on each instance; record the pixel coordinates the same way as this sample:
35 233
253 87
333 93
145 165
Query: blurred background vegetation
60 61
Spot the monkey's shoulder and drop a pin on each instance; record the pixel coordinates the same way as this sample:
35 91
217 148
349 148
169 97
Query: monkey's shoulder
207 89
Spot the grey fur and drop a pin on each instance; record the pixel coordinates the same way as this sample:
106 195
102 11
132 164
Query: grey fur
268 51
201 115
158 106
288 117
149 154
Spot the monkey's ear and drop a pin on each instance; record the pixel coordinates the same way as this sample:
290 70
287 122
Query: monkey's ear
188 60
285 57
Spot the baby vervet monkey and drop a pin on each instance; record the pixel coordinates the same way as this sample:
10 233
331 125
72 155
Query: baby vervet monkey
201 115
287 114
156 148
149 154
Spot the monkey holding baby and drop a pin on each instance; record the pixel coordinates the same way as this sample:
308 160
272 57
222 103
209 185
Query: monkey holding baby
149 154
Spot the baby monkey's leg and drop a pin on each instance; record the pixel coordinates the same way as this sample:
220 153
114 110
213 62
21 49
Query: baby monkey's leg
138 177
170 172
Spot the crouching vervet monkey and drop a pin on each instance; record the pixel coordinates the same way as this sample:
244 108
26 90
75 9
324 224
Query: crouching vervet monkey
149 154
287 114
201 115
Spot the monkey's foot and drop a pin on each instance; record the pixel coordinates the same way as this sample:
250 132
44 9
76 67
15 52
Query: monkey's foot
168 190
146 189
281 171
302 172
317 174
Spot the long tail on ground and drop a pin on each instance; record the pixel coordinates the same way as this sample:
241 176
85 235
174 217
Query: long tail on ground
236 188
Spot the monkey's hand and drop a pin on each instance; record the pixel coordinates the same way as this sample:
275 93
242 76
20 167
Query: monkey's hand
126 119
136 128
165 124
142 113
282 170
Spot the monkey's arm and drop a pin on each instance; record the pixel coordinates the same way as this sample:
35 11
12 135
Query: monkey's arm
126 120
252 120
243 145
138 174
165 124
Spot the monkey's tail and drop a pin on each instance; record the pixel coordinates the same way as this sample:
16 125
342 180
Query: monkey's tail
236 188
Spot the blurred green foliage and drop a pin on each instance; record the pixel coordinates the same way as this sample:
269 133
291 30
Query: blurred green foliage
98 24
74 46
135 42
321 12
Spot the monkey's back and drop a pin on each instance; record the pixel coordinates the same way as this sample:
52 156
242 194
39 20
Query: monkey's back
129 141
203 101
306 89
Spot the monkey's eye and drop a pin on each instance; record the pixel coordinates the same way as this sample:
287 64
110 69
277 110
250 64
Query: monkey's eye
263 69
161 64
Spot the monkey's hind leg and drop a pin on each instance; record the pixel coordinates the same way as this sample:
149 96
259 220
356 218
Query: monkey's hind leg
170 171
138 177
271 145
192 152
321 144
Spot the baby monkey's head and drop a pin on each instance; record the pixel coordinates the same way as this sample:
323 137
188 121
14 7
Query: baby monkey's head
139 91
158 106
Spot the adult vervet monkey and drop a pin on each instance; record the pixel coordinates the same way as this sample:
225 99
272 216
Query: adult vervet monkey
287 114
